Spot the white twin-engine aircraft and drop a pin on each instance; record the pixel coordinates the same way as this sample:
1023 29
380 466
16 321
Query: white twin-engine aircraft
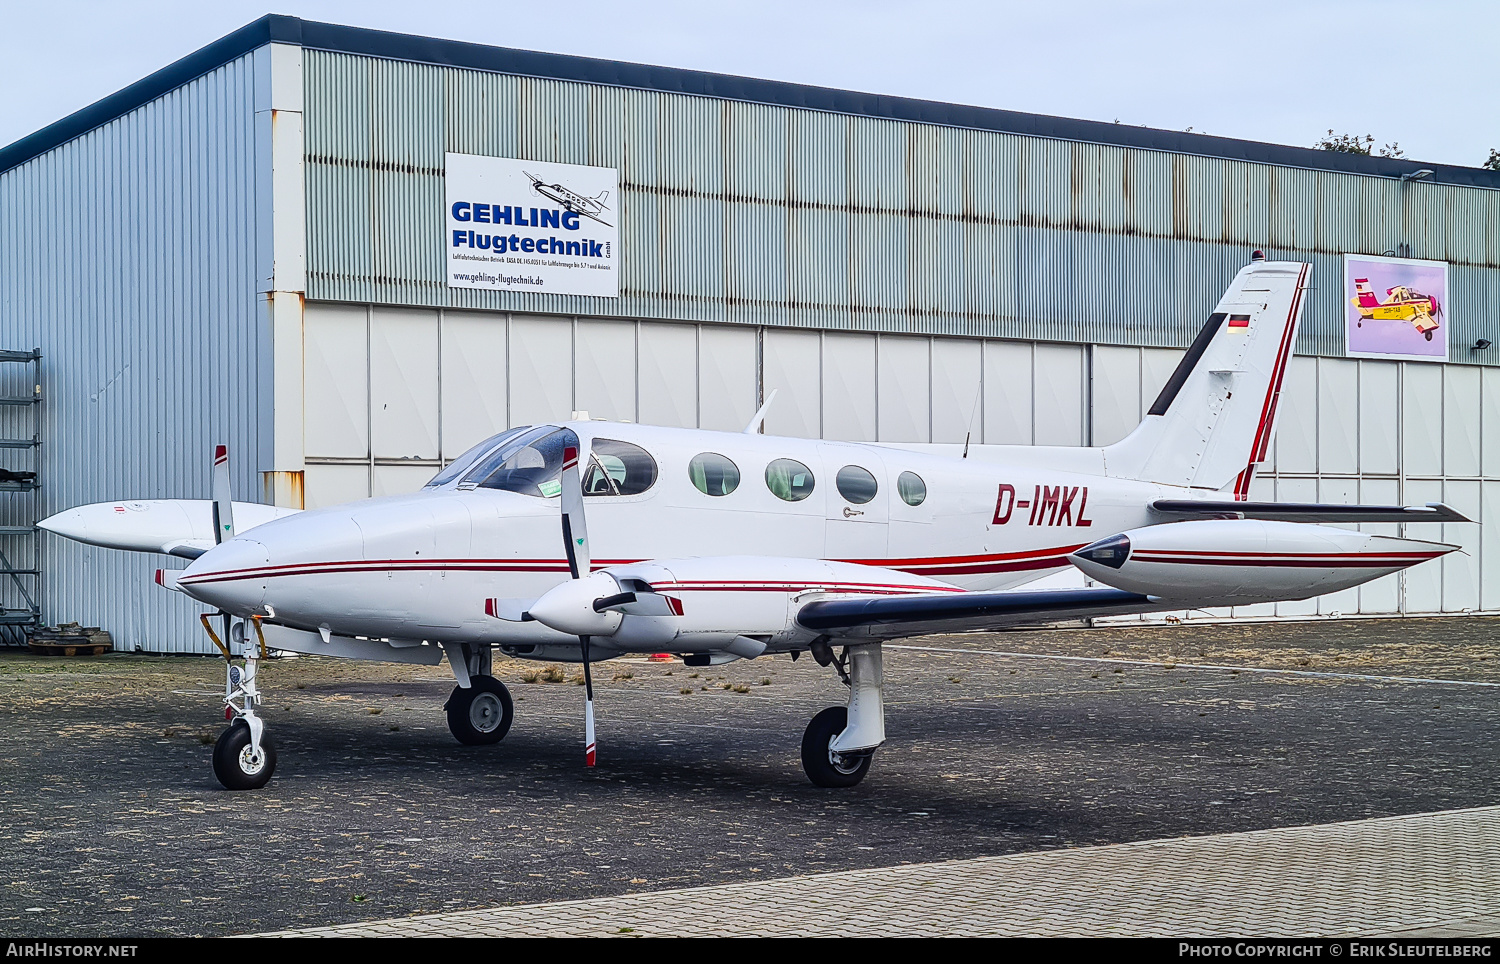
717 546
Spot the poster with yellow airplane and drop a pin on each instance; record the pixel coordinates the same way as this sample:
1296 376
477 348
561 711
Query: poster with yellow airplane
1395 308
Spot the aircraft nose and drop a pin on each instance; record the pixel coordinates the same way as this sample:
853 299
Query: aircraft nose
231 576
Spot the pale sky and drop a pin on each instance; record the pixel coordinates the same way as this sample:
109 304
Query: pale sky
1423 74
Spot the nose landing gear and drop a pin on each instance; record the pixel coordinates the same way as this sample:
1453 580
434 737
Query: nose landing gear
244 758
839 743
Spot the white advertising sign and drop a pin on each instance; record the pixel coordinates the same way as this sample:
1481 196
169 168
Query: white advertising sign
520 225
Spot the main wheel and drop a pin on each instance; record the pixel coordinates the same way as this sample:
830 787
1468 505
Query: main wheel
824 767
1427 335
236 765
480 714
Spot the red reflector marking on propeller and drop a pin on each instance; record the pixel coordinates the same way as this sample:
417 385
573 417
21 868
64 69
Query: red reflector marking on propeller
1239 321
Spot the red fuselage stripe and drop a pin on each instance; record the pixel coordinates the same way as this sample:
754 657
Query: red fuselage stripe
935 565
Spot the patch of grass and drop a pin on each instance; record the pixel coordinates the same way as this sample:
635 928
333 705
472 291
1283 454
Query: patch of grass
625 675
692 676
685 690
955 679
741 688
394 728
726 686
531 676
374 711
766 681
358 899
301 686
578 680
207 739
553 674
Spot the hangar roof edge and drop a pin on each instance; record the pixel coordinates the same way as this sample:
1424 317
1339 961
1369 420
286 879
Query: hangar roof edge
274 28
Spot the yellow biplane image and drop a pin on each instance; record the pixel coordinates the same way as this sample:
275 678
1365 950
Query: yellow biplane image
1401 304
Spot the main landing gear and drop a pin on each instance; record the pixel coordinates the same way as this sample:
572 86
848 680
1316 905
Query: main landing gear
480 710
840 741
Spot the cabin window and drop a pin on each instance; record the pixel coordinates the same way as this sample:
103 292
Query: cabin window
529 463
618 468
789 480
856 485
911 487
713 474
459 465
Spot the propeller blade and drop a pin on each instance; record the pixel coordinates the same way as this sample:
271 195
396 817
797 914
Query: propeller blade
223 503
575 530
588 706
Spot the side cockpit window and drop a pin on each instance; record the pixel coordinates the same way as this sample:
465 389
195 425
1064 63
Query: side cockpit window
618 468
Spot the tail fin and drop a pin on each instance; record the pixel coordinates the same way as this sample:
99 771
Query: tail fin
1213 421
1363 296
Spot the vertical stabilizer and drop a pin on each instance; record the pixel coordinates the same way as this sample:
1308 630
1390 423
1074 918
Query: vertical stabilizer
1213 421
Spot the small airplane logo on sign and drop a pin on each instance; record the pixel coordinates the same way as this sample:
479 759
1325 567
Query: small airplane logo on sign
589 207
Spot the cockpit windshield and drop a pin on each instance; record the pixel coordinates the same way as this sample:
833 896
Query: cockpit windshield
529 463
461 464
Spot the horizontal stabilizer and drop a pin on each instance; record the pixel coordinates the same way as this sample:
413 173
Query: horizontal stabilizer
894 617
1308 511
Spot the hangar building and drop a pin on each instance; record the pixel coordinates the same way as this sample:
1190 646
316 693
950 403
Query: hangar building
255 245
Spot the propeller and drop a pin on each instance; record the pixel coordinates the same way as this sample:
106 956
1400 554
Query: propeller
576 544
223 510
223 502
589 604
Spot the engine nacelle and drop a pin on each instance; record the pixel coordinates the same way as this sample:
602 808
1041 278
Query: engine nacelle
736 604
1215 562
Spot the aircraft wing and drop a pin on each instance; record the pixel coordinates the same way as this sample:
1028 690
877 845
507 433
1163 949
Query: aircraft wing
1308 511
895 617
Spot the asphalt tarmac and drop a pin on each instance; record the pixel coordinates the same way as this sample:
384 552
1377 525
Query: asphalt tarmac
112 824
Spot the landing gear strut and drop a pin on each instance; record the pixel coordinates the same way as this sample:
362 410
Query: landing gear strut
244 757
480 710
840 741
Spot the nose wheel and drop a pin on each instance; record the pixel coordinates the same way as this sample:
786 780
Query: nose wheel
480 714
238 763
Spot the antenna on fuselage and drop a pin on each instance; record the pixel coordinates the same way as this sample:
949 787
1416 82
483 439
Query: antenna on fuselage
760 416
978 394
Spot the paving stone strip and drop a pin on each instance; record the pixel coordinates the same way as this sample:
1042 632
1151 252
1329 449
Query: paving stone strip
1428 875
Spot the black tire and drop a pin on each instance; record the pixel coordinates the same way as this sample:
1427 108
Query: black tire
1427 335
481 714
818 762
234 765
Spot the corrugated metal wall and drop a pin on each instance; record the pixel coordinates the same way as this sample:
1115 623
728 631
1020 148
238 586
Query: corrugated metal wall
131 255
737 212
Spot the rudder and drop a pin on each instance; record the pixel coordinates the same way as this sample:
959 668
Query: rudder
1215 417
